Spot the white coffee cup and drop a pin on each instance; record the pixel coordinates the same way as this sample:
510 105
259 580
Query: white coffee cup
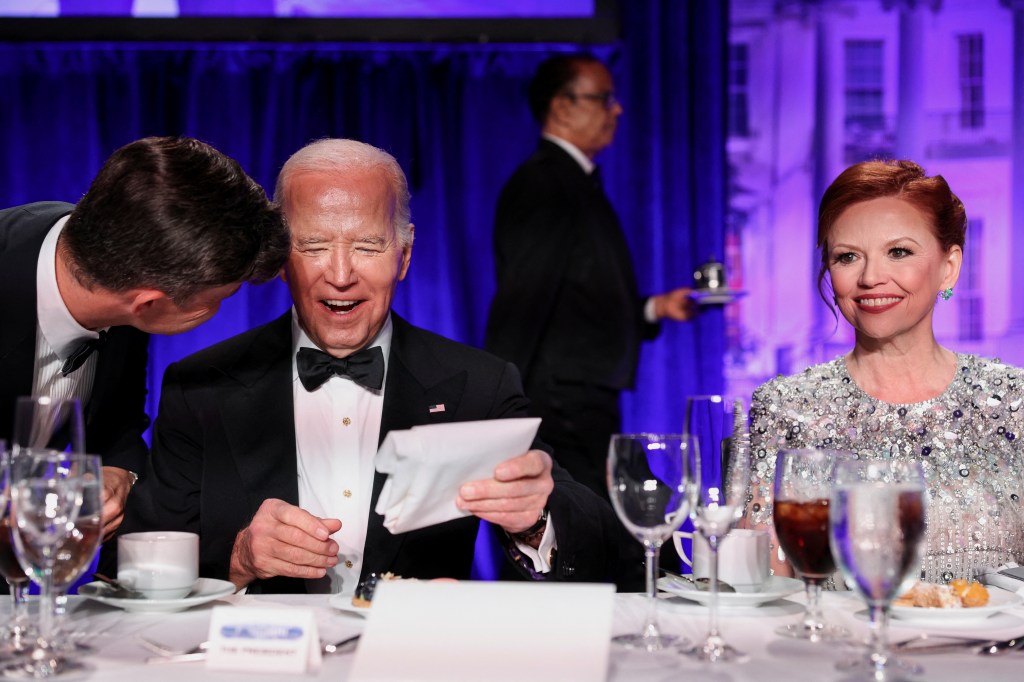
742 556
159 564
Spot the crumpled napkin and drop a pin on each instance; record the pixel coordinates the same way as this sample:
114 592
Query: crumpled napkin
426 466
996 576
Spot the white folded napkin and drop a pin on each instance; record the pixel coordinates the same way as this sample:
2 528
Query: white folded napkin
426 466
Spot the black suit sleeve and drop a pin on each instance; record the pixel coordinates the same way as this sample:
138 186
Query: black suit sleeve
169 495
588 533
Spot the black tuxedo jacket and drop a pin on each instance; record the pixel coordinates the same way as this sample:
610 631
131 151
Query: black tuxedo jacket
567 304
224 441
115 414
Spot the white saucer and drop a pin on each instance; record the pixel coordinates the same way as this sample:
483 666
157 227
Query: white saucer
343 602
716 296
776 587
206 590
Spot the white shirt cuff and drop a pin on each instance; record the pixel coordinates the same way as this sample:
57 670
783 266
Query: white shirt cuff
649 313
541 555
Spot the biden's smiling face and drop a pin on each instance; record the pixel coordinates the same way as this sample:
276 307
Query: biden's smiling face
346 257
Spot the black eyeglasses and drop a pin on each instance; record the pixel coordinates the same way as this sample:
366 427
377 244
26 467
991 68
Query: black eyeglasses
607 99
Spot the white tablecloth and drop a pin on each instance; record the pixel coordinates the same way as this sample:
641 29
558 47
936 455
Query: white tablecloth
118 655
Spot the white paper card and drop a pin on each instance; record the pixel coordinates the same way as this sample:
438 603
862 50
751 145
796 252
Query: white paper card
495 631
426 466
266 640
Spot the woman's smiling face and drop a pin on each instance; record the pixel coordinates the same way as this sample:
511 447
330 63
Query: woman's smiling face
887 266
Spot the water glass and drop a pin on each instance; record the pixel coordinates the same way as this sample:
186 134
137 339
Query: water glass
17 634
877 528
46 495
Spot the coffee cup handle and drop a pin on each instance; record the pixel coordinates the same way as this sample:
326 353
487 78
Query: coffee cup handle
679 545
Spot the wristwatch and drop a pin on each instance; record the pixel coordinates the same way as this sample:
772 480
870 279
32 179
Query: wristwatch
532 535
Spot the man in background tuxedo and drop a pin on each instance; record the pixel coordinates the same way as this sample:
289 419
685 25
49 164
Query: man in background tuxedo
264 444
168 229
567 310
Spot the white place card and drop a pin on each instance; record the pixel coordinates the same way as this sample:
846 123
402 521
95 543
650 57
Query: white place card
265 640
495 631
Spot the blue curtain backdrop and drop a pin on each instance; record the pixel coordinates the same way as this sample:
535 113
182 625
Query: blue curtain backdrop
453 115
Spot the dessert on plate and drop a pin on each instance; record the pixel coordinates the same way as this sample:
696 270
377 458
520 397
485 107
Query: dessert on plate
957 594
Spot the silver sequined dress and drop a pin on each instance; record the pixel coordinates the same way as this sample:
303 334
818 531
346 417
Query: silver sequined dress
968 440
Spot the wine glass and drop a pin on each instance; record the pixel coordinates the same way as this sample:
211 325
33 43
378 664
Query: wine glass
878 524
719 432
652 481
44 506
803 482
77 551
16 634
45 422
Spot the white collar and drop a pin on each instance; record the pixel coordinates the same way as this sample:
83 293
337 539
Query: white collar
572 150
60 329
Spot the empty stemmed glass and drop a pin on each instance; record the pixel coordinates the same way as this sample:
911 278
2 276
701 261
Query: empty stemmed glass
43 422
878 523
719 432
44 505
651 481
800 508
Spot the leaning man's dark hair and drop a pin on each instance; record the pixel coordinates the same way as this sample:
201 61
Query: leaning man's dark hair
175 215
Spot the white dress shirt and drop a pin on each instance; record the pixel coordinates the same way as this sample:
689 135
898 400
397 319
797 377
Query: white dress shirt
58 334
336 431
337 427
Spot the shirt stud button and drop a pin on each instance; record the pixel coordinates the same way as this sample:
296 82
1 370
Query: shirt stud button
346 421
348 564
347 493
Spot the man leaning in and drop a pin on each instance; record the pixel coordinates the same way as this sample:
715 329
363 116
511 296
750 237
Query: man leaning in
264 444
168 228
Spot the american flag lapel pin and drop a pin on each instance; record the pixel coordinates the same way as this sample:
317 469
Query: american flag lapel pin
436 408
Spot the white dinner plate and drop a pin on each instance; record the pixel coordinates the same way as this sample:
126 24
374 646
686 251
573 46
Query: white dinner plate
716 296
998 601
206 590
343 602
776 587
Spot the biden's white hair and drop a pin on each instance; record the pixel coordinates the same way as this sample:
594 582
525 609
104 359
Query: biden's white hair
342 156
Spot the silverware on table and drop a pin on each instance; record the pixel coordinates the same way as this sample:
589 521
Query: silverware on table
164 650
119 590
701 584
943 644
1003 647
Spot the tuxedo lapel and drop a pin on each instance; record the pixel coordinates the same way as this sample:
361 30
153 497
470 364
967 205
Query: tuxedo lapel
415 386
258 416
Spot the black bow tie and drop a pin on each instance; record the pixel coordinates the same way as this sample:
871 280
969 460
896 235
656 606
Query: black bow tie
82 353
365 367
